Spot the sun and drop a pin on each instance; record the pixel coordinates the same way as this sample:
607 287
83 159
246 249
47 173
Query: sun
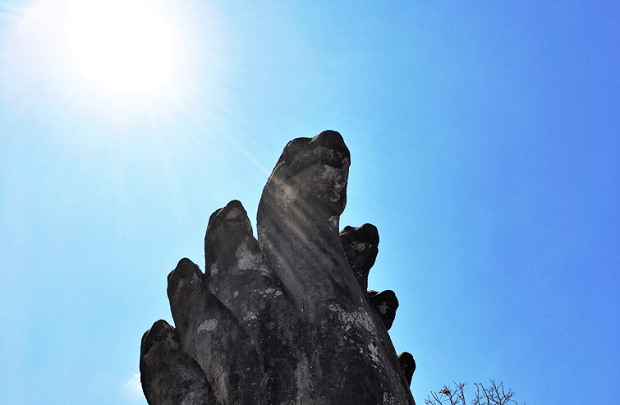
121 45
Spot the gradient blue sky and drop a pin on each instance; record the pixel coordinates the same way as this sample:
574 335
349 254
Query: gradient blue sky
485 142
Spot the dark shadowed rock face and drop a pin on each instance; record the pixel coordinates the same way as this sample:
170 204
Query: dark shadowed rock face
285 319
361 246
386 304
407 363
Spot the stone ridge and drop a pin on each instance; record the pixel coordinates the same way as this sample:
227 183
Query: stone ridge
285 318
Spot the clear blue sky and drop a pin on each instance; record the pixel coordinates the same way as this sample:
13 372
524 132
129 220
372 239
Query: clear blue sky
485 142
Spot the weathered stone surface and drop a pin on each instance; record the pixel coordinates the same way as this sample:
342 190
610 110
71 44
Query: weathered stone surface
407 363
386 304
361 246
167 374
281 319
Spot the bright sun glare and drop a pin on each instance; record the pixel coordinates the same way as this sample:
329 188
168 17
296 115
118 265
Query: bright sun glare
122 45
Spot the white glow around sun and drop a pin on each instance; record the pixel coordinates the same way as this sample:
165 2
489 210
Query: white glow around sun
122 45
118 63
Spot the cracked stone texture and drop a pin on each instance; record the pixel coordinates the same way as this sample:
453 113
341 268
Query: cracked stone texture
285 319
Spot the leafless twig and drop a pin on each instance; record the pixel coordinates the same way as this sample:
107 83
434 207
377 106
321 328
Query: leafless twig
494 394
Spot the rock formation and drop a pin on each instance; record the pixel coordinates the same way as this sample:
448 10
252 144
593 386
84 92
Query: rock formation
285 319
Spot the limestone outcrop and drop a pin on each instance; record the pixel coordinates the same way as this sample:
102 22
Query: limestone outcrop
285 318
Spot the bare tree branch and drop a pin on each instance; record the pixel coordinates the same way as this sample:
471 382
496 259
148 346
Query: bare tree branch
493 394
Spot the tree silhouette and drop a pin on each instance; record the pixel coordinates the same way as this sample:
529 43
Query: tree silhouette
494 394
